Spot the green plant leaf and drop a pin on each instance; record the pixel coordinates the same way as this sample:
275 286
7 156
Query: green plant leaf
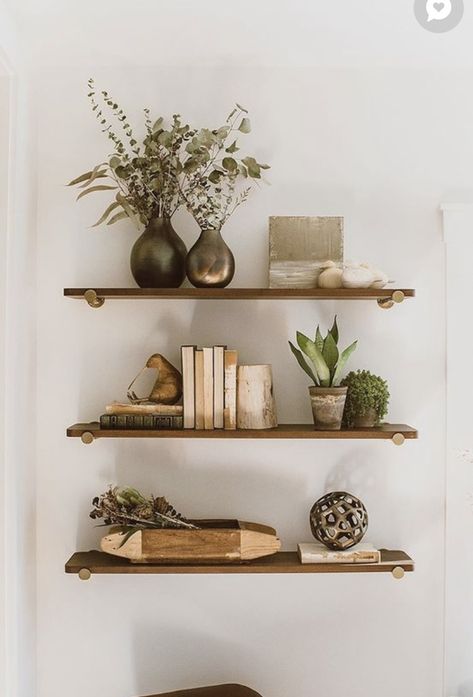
127 208
100 187
253 167
119 216
334 330
106 213
330 352
96 173
158 123
344 356
245 125
264 166
303 363
215 176
309 348
232 148
242 108
230 164
319 340
83 178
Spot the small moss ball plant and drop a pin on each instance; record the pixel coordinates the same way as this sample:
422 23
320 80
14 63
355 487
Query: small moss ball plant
367 393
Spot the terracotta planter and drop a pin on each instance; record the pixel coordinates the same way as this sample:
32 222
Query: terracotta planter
328 404
367 420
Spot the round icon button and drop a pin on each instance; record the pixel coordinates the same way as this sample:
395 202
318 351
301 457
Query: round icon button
439 16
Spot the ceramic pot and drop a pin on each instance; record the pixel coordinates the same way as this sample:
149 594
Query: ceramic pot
158 256
210 263
367 420
328 404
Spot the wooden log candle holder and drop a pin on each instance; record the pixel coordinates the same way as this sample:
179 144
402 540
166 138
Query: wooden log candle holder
256 406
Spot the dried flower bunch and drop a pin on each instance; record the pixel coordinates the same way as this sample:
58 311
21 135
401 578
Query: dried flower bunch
174 165
129 508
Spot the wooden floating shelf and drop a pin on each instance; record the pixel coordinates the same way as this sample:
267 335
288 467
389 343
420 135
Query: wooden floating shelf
95 297
88 432
87 563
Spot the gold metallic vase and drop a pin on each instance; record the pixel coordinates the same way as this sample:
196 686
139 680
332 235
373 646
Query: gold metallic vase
210 262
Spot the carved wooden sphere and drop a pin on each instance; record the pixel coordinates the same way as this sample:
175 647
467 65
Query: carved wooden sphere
339 520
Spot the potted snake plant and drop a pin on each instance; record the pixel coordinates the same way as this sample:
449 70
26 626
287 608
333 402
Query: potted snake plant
324 363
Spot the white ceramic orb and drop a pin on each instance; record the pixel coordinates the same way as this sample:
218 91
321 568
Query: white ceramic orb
357 277
331 277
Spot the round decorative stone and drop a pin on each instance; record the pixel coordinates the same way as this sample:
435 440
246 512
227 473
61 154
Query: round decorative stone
339 520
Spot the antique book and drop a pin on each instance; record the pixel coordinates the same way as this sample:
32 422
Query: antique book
230 389
299 245
317 553
219 378
216 541
208 388
199 389
144 408
188 385
138 422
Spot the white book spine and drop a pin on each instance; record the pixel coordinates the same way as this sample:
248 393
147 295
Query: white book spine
208 388
230 390
219 376
188 385
199 389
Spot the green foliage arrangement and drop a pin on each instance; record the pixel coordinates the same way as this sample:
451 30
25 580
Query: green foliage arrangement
321 359
365 392
214 181
128 508
173 165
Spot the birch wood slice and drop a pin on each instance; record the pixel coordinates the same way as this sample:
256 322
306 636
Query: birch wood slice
256 406
216 541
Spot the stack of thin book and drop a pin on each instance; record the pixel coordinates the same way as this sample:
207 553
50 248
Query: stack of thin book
317 553
209 377
142 416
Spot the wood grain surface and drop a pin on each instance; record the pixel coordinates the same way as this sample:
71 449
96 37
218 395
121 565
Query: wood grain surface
280 563
283 431
238 293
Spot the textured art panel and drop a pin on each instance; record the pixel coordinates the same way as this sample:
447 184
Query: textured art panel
298 245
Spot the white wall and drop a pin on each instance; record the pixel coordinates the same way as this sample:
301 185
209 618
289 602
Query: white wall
458 220
351 142
17 359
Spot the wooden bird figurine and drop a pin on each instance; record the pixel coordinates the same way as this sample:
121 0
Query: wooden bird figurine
168 386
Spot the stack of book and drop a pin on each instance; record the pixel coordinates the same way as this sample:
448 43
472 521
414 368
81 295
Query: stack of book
209 377
317 553
142 416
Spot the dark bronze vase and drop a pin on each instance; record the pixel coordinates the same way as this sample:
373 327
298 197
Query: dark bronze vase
210 263
158 257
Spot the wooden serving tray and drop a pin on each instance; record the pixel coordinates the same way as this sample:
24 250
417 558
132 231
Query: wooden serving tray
215 541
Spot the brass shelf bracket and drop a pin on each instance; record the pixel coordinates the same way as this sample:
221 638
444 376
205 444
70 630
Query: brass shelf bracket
398 439
87 437
85 574
387 303
398 573
92 299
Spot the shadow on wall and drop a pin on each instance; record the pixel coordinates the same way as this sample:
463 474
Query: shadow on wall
466 689
170 470
186 659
